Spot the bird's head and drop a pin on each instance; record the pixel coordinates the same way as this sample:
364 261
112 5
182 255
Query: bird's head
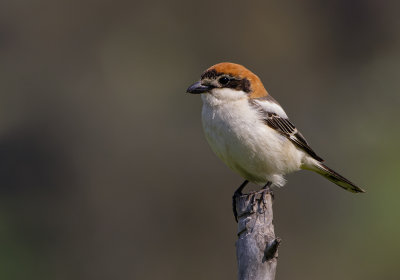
229 81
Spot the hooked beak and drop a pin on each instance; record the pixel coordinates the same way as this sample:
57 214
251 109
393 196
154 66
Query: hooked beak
197 88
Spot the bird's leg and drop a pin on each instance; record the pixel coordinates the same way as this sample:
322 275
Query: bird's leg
237 193
240 189
267 186
267 189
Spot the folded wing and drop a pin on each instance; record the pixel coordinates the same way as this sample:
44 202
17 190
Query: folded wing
274 116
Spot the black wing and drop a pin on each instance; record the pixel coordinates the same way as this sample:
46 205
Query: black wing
285 127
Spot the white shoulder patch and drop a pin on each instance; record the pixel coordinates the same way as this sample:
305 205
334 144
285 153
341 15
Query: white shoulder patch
272 107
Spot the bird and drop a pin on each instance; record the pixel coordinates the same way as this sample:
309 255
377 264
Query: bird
250 131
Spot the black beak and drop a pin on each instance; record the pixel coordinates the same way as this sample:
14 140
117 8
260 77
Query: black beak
198 88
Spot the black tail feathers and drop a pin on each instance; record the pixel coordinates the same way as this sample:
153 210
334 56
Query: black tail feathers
336 178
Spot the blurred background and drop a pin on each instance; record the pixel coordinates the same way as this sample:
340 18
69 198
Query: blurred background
104 169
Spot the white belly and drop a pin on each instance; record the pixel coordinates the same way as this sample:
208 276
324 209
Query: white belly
246 144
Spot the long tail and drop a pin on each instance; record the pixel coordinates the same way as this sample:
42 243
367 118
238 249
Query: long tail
336 178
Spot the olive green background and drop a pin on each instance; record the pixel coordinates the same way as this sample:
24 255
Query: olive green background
104 169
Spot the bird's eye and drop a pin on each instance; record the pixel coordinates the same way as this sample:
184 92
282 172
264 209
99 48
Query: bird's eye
223 80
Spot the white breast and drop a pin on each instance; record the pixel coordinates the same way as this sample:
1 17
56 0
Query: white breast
237 134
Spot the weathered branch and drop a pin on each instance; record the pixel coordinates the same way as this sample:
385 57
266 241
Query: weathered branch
256 247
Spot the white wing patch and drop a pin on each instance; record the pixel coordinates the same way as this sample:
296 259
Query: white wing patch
272 107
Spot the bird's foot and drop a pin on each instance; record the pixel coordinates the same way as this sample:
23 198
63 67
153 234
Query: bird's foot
267 189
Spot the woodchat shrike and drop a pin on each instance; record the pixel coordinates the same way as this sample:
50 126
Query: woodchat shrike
251 133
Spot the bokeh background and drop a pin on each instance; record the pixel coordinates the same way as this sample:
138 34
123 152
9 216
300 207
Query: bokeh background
104 170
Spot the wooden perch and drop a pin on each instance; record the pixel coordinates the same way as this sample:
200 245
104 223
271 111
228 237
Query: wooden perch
256 247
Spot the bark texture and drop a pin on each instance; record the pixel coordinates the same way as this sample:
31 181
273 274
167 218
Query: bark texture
256 247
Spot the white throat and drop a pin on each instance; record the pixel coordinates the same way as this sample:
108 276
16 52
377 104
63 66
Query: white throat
219 96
